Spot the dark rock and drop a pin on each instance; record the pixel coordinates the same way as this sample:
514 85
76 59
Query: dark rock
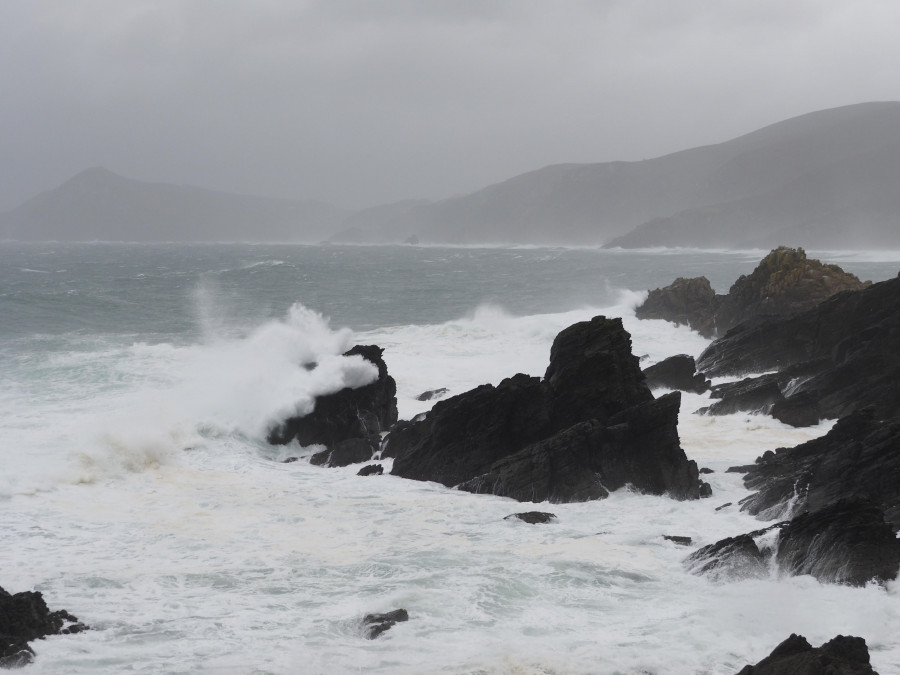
724 506
375 624
533 517
404 436
363 412
800 410
24 617
757 394
858 458
558 469
641 448
848 542
432 394
706 470
462 436
15 653
842 655
290 460
849 345
785 282
592 425
766 394
848 348
733 558
681 541
592 373
371 470
676 372
344 453
688 302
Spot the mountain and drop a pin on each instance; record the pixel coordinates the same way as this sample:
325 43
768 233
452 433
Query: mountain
825 179
98 204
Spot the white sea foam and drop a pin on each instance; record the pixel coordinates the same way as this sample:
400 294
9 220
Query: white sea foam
188 549
143 405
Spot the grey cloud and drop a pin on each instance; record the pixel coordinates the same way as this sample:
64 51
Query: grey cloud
362 102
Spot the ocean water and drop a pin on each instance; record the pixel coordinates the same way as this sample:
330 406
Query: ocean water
137 383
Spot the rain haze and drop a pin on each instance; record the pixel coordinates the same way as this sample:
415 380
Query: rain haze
360 103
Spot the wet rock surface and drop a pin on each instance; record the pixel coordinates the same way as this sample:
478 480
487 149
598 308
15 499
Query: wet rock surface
375 624
590 426
842 655
838 357
676 372
360 413
533 517
840 496
687 302
25 617
784 282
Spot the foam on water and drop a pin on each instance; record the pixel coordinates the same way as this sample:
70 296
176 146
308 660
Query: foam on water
131 408
144 501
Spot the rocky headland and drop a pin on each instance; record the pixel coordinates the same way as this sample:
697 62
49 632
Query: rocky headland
785 282
589 426
828 346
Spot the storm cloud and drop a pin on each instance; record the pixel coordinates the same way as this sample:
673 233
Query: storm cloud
359 103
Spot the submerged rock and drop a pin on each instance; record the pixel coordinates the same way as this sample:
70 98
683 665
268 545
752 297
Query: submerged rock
842 655
533 517
590 426
678 539
375 624
371 470
733 558
25 617
360 413
432 394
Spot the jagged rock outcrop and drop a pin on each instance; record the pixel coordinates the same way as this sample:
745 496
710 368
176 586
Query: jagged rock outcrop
25 617
785 282
842 655
858 458
841 493
687 302
676 372
359 414
838 357
591 425
733 558
847 542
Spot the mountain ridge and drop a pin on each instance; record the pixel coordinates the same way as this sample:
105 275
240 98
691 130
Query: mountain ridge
828 178
100 205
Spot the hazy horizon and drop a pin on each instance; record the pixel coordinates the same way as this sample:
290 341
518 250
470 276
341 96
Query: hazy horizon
359 104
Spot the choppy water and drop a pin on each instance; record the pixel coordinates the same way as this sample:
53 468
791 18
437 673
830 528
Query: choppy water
137 492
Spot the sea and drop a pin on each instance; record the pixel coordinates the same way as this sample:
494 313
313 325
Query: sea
137 490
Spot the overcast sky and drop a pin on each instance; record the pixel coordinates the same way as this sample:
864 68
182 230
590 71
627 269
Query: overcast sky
366 102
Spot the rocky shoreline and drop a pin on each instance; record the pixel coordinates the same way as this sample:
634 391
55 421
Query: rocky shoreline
829 347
